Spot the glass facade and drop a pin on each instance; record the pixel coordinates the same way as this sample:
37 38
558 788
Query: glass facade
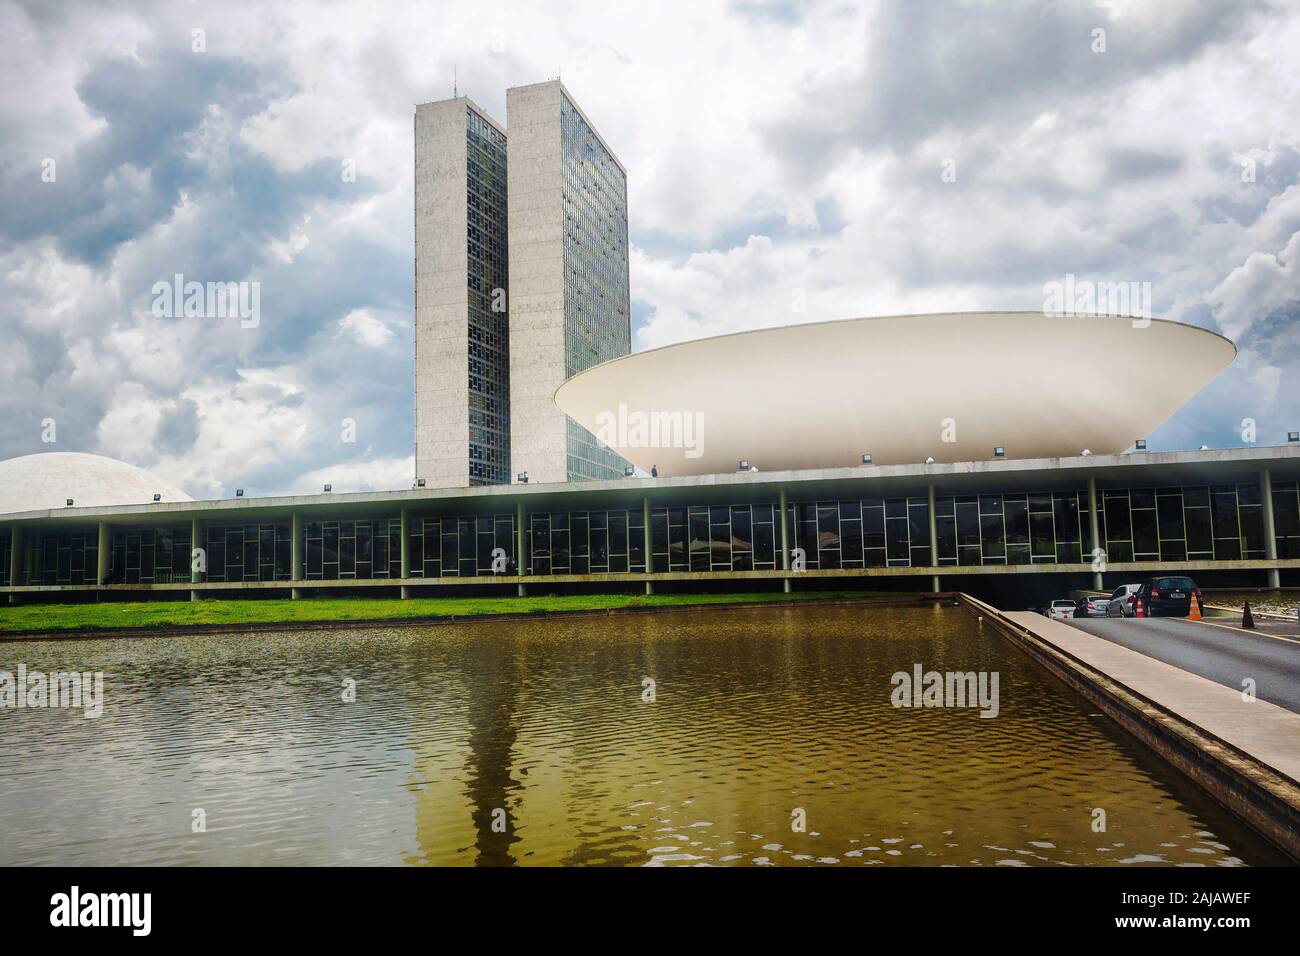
597 304
586 542
715 538
62 558
252 552
461 546
1015 528
342 550
150 556
1286 518
863 533
1152 524
488 330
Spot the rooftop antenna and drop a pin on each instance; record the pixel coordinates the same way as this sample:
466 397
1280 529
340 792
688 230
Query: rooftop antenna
455 89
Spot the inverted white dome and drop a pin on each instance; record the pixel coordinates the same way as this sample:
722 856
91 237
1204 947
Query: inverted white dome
40 482
903 388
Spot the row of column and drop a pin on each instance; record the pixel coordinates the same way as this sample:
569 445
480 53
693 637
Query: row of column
16 543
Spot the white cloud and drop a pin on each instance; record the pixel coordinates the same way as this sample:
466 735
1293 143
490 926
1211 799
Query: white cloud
362 326
379 474
1133 176
1260 285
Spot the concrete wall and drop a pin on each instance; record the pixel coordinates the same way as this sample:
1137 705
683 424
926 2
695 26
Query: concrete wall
536 247
441 298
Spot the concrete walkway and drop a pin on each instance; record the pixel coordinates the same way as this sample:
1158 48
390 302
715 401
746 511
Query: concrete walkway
1269 733
1226 655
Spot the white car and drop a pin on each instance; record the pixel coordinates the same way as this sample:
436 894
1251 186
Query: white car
1061 610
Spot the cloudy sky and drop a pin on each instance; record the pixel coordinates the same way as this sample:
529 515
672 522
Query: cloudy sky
778 153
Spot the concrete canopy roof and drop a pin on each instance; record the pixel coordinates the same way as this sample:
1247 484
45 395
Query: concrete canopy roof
47 481
821 395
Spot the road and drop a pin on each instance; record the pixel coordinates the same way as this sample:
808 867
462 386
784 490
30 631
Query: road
1216 653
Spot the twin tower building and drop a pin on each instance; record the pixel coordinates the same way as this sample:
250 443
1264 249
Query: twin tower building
521 280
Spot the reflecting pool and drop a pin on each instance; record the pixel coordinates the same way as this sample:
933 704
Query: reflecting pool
724 736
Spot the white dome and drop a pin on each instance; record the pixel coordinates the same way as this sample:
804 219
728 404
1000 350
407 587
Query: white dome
41 482
821 395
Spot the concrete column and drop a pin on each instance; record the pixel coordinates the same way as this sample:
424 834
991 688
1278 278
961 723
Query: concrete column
934 539
1270 530
295 553
649 558
785 546
520 556
1094 526
405 551
196 541
103 553
15 560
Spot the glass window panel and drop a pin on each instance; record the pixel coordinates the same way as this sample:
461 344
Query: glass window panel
1119 527
765 545
851 542
1286 510
1252 530
1142 498
897 542
1067 552
968 525
1224 508
1145 539
1169 512
1042 541
992 537
1065 512
1200 531
1173 551
1017 517
947 534
741 528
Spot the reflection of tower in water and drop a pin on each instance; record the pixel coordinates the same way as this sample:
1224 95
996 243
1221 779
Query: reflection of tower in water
462 739
493 678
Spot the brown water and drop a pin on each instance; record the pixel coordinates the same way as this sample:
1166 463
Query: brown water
757 713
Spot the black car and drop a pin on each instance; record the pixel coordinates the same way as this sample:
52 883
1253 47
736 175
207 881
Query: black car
1168 596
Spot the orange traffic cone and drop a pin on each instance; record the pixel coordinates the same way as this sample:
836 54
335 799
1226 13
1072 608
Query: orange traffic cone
1139 611
1195 613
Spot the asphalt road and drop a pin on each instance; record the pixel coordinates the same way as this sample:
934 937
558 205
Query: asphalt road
1225 656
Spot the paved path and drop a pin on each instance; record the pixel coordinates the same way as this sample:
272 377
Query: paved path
1224 655
1269 733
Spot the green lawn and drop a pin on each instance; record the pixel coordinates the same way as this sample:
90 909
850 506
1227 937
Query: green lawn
164 614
